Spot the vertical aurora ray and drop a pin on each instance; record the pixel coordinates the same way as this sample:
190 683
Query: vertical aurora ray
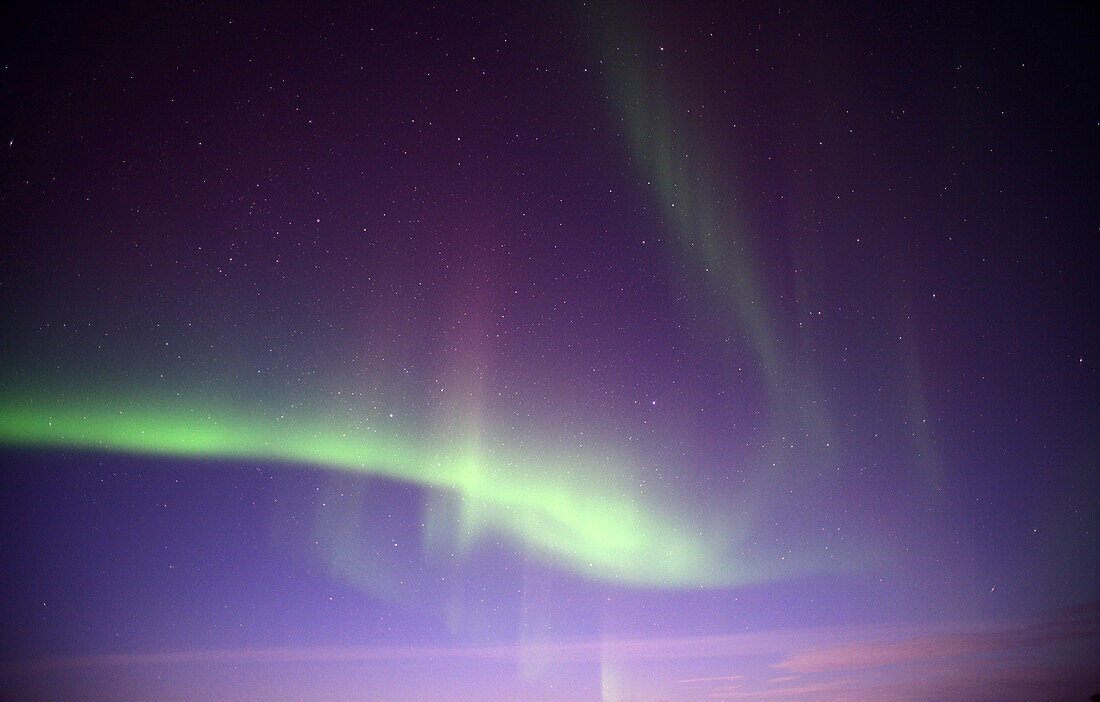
676 156
668 151
792 464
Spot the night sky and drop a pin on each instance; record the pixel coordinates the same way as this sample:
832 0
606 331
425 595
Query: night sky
579 351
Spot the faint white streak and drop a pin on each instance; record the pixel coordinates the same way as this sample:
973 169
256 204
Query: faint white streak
719 678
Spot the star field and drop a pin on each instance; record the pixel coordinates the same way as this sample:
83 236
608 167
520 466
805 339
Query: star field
578 351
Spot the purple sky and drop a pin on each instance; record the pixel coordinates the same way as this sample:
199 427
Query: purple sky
590 351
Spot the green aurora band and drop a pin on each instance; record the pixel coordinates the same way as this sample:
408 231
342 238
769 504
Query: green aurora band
576 516
584 513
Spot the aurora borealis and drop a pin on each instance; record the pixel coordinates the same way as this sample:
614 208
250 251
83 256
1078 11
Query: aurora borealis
593 527
580 351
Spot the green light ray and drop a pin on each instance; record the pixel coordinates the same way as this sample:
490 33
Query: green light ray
694 187
669 151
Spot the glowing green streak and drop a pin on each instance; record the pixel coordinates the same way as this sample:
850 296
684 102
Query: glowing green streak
677 157
665 148
577 517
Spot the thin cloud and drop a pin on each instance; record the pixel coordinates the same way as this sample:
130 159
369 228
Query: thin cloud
882 660
979 640
806 691
718 678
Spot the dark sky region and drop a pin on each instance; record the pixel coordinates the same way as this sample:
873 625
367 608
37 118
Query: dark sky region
548 351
